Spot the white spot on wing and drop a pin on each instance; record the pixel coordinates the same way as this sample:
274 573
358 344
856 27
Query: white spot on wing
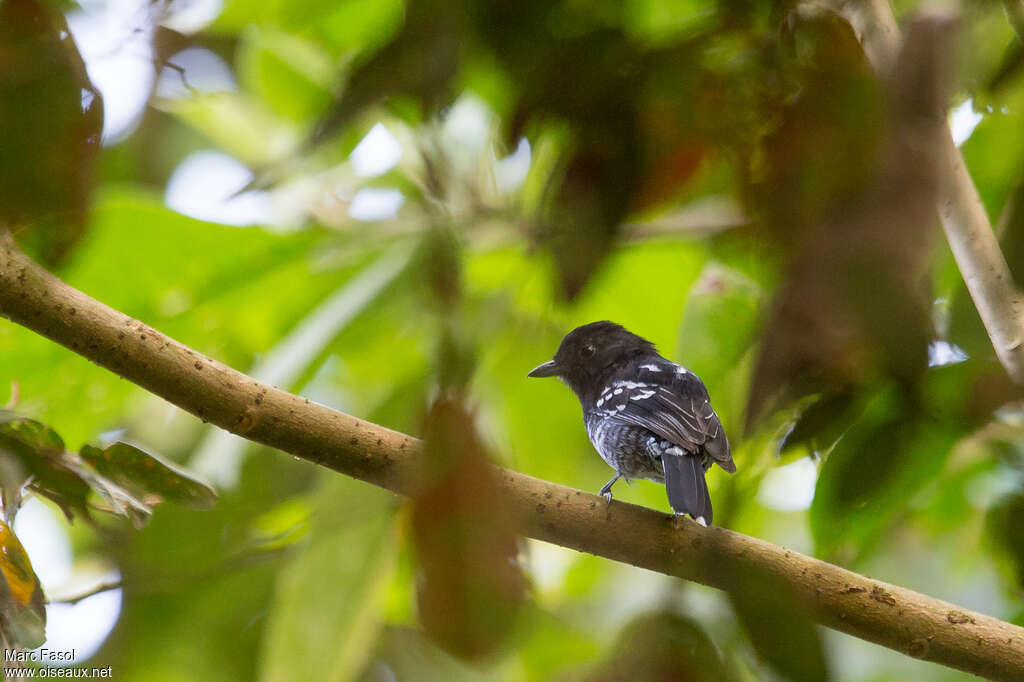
630 384
653 368
618 391
682 370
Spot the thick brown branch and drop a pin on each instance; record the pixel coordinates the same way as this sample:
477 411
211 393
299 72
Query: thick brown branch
909 622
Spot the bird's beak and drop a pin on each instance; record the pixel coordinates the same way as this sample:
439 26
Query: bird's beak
548 369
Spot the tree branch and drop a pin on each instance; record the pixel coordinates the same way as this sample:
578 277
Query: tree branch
903 620
968 230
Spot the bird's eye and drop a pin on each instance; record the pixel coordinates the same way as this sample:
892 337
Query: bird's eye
587 350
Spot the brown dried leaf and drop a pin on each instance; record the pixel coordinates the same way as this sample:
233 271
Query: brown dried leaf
854 307
470 585
51 117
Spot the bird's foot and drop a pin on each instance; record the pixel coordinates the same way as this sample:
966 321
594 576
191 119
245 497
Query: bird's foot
606 490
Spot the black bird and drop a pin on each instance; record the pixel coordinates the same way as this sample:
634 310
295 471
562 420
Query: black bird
647 416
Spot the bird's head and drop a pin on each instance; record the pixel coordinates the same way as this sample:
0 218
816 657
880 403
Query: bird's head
588 354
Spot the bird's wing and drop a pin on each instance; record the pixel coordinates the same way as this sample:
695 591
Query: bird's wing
671 402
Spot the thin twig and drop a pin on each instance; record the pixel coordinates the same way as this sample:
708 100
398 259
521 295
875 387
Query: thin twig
98 589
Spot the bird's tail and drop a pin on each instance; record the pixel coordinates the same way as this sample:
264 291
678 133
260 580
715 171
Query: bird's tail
687 490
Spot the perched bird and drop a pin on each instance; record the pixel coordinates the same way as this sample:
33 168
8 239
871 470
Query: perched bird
647 416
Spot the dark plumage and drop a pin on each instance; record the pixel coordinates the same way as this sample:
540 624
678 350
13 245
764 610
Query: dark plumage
647 416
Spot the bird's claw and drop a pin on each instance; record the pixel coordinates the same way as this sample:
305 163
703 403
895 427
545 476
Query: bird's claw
607 495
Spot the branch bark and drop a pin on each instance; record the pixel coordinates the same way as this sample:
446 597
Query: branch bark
906 621
975 247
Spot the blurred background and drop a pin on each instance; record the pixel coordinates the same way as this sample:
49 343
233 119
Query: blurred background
397 209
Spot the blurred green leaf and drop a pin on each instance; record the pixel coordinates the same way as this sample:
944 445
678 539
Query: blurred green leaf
550 646
186 278
719 324
243 126
325 613
887 455
993 153
283 524
339 27
197 586
778 624
1004 523
663 21
288 73
220 453
420 62
405 654
662 646
822 422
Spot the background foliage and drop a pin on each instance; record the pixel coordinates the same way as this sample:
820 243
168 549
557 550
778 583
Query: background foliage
706 174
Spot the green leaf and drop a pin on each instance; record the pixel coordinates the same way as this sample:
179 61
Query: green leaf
41 439
288 73
408 655
360 25
1004 523
238 123
662 646
148 475
993 152
282 525
185 277
821 423
34 454
719 328
339 26
399 70
661 21
668 270
36 451
889 453
550 647
219 454
328 600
